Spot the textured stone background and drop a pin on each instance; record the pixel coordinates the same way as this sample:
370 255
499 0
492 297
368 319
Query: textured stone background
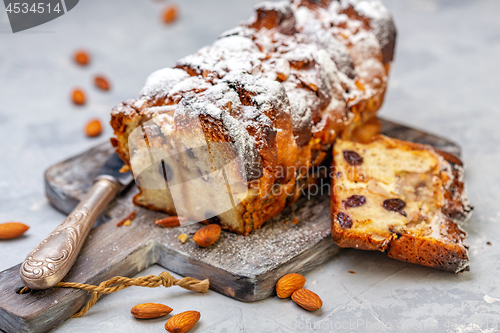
445 80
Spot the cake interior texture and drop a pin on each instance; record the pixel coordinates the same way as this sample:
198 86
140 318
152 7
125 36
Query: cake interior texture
401 198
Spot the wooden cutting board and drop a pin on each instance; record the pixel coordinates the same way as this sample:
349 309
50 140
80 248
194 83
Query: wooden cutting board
244 268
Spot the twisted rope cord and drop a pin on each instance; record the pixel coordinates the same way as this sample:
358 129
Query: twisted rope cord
119 282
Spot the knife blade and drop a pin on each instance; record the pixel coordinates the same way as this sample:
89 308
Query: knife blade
51 260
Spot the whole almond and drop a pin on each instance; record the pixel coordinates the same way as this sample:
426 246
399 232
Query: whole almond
129 217
11 230
82 57
171 221
170 14
101 82
78 96
208 235
150 310
288 284
307 299
93 128
182 322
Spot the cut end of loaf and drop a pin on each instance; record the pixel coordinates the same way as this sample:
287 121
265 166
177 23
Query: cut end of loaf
395 197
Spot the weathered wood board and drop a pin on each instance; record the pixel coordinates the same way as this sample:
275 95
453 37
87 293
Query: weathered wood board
244 268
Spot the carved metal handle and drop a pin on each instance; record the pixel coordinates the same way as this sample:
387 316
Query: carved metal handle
51 260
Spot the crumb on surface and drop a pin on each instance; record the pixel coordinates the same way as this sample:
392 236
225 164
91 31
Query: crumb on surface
183 238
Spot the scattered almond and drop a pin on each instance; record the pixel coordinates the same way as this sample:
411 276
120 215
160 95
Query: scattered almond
11 230
182 322
82 58
129 217
352 272
93 128
170 14
150 310
101 82
208 235
288 284
307 299
295 220
183 238
78 97
171 221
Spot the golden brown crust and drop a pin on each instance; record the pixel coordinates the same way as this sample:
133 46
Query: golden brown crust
438 244
332 79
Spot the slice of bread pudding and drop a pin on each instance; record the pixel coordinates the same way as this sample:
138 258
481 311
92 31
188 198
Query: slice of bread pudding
401 198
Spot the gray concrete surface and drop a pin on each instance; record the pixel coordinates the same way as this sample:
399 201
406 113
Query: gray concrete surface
445 80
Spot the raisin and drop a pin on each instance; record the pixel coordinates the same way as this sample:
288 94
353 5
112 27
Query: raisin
395 205
212 219
190 153
352 157
354 201
344 220
165 171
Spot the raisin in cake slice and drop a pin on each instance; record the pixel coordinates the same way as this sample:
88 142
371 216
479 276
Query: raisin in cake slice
401 198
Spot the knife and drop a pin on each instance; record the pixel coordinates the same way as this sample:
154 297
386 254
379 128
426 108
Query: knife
51 260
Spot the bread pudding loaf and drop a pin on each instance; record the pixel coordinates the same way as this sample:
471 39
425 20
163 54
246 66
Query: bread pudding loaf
401 198
260 108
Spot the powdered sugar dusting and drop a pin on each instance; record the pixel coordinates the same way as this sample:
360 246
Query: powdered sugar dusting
381 20
271 245
301 114
236 44
281 6
269 96
193 83
193 107
489 299
159 83
335 49
231 53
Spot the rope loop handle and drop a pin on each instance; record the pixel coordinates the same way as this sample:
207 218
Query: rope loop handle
119 282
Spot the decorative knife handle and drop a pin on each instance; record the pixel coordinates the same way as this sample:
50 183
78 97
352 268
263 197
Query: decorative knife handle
51 260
